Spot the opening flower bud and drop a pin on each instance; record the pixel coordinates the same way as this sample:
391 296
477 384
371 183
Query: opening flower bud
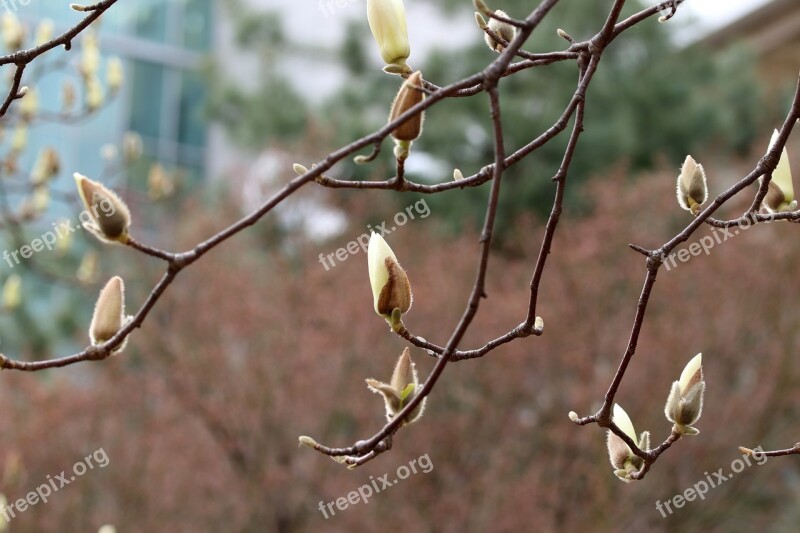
692 190
401 389
387 21
685 401
622 458
391 289
108 217
780 195
502 29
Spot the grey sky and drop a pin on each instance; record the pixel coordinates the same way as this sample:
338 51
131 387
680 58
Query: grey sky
718 13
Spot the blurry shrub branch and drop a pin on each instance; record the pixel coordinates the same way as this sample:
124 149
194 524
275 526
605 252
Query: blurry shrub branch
582 61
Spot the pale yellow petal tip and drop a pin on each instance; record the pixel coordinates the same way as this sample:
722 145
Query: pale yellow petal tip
691 368
481 6
307 442
457 175
538 324
623 421
387 21
573 416
746 451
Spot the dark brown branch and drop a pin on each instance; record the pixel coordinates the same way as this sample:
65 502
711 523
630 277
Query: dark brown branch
794 450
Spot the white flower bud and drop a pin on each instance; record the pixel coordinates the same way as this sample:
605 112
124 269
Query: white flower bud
391 290
685 401
692 190
503 29
108 214
622 458
387 20
780 196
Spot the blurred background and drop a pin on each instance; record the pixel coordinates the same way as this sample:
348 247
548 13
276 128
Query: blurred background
195 111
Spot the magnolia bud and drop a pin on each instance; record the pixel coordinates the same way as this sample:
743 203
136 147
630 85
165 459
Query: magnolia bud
391 291
109 313
692 190
13 32
44 32
109 216
481 6
65 242
115 74
19 140
307 441
87 270
401 389
12 292
409 95
685 402
47 166
132 147
502 29
159 183
40 200
107 528
94 93
387 20
67 96
90 55
29 105
622 458
780 195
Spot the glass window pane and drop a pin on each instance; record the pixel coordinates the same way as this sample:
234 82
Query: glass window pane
146 96
197 25
191 119
146 19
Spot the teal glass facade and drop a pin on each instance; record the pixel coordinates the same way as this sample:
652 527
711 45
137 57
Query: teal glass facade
162 44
